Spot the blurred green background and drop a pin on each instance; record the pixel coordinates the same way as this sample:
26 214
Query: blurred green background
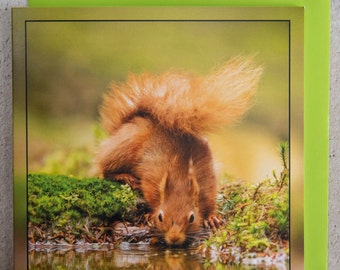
71 64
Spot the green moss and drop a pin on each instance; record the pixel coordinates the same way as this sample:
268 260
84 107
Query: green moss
61 203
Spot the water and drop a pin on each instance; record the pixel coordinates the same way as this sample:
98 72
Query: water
126 256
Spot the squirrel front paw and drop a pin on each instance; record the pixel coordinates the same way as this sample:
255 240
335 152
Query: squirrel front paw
127 179
213 222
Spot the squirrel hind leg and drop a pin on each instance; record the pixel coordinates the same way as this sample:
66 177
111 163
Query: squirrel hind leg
124 178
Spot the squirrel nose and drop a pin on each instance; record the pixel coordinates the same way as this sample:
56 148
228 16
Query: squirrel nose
175 238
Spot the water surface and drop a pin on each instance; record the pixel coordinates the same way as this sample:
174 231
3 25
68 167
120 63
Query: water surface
127 256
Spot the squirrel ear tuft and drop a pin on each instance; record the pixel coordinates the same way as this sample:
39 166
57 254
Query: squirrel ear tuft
194 187
191 168
162 187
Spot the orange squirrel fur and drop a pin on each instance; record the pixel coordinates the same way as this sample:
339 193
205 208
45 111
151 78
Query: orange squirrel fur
156 126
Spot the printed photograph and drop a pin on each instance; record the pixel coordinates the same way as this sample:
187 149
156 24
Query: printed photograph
159 143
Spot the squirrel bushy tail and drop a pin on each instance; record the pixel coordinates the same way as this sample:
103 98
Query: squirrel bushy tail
183 103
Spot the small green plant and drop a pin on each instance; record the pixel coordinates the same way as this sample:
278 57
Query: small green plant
256 215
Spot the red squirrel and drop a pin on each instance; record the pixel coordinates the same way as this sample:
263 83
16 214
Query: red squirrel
156 143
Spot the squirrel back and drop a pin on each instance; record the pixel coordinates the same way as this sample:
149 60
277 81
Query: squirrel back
182 103
156 125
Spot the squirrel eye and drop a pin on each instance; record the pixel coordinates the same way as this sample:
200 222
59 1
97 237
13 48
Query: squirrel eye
160 217
191 218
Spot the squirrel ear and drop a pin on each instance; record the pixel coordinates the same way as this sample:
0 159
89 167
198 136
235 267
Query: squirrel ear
163 187
194 187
